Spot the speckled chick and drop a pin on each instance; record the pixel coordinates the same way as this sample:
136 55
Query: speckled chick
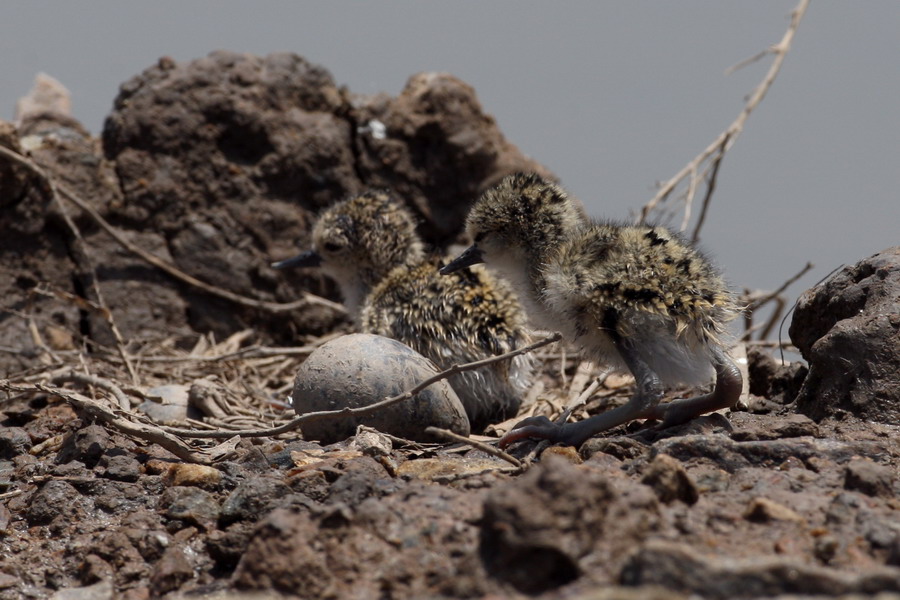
639 298
369 246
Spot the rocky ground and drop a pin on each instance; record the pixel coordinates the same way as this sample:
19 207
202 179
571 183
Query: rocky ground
215 167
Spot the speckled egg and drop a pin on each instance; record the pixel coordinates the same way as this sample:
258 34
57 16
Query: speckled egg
361 369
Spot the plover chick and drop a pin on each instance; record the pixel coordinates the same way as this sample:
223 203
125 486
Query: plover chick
634 297
369 246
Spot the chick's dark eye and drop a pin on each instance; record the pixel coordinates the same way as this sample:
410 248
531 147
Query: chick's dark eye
331 247
479 237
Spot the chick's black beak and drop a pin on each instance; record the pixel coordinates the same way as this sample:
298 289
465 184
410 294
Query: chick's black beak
472 256
310 258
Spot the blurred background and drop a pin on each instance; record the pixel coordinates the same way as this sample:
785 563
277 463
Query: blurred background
613 97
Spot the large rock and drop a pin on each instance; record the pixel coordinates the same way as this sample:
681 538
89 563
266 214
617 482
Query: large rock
218 166
848 329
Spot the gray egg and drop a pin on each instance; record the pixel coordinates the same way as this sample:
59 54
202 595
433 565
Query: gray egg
361 369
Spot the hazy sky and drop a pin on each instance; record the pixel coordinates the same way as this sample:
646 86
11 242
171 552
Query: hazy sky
612 96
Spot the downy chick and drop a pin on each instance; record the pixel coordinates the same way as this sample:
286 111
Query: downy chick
369 246
638 298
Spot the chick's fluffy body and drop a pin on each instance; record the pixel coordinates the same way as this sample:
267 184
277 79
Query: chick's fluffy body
644 284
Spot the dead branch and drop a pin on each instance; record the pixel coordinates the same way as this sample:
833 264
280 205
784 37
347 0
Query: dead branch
95 410
99 382
275 307
365 410
80 248
715 152
487 448
756 300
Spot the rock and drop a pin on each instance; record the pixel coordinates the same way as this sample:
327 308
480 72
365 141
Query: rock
217 165
771 380
623 448
94 569
168 405
47 96
180 474
53 499
870 478
275 560
251 499
226 547
763 510
190 504
682 570
669 480
752 427
86 445
847 329
363 478
123 468
102 590
172 570
372 443
360 369
13 441
732 456
445 466
537 528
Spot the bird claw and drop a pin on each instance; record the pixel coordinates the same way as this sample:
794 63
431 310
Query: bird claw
533 427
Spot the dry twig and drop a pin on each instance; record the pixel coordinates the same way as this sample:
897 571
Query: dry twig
104 384
756 300
487 448
275 307
95 410
80 248
707 163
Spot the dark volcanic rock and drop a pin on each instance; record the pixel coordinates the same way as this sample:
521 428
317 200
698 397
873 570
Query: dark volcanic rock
417 543
172 570
218 165
13 441
190 504
870 478
848 330
229 156
771 380
252 498
681 569
55 498
536 529
86 445
669 481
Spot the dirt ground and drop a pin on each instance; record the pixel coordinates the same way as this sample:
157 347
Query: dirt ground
750 505
215 167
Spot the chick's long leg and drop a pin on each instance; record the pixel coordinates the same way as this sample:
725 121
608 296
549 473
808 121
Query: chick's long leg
725 394
642 405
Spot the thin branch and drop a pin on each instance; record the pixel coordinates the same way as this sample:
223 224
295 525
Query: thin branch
96 410
727 138
710 188
455 437
764 298
372 408
275 307
749 61
99 382
80 248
